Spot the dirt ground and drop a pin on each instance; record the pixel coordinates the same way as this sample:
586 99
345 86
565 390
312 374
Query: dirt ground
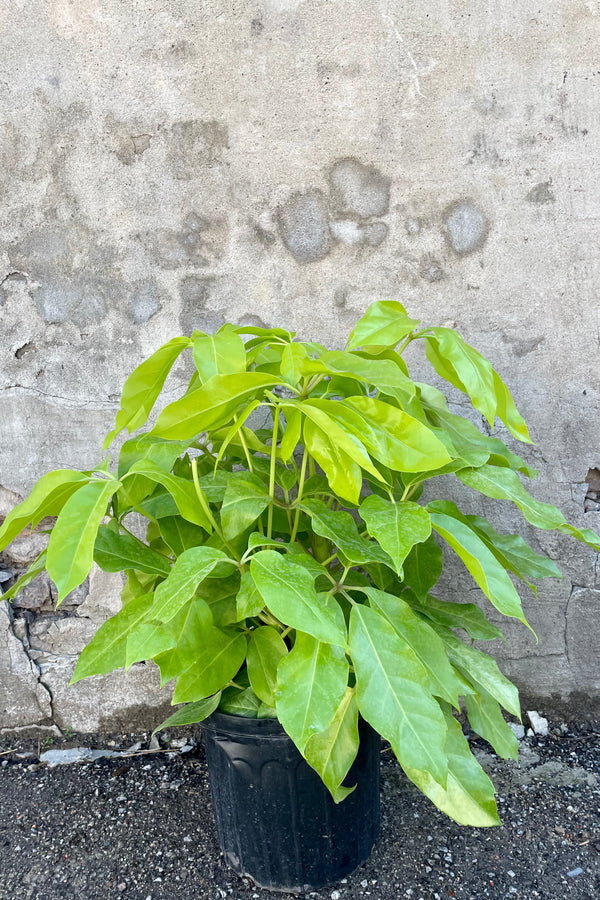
140 827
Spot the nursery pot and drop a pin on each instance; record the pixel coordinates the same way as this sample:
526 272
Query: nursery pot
276 821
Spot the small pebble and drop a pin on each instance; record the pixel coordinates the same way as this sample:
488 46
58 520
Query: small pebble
335 895
575 872
121 887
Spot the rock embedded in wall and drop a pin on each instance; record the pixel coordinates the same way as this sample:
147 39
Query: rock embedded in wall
304 226
466 227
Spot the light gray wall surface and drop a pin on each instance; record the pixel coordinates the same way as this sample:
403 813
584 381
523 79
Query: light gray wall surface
171 166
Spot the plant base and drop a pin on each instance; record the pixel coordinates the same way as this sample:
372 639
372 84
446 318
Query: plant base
276 821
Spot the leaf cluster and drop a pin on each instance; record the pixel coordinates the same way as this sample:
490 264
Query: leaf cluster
286 570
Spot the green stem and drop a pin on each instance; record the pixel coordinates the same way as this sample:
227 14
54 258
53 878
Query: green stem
299 495
206 509
272 470
244 445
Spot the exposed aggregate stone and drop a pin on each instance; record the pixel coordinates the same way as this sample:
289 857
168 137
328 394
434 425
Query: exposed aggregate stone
140 826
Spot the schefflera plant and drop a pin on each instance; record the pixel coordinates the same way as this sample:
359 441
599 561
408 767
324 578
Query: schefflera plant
287 570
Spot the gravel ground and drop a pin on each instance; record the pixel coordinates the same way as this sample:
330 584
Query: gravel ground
141 828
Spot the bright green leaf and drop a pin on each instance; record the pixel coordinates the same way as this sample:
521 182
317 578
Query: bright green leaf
392 693
331 752
469 794
288 590
180 489
488 722
246 496
191 713
47 498
211 405
266 648
427 646
385 323
487 572
107 649
504 484
219 354
144 385
340 528
189 570
71 548
397 526
311 683
216 662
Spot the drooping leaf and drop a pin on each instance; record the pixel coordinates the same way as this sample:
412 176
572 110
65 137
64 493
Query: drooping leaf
392 693
216 662
423 566
397 526
389 434
107 649
464 367
115 552
455 615
427 646
504 484
487 572
385 323
211 405
342 471
288 590
508 413
470 444
340 528
189 570
321 413
246 497
481 670
514 552
266 648
331 752
191 628
147 640
71 547
292 433
148 446
488 722
222 353
468 797
384 374
47 498
143 387
180 489
249 601
35 569
311 683
191 713
240 702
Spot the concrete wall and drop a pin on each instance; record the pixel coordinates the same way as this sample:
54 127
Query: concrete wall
170 166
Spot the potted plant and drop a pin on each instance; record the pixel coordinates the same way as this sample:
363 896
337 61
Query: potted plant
284 576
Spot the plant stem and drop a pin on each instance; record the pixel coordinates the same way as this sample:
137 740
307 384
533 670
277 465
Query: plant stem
206 509
299 495
272 470
244 445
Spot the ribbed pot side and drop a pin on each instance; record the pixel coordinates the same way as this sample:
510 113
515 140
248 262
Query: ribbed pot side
276 821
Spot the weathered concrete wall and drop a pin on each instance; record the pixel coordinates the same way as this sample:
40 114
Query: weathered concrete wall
167 166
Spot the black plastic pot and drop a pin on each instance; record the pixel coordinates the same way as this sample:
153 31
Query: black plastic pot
277 822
